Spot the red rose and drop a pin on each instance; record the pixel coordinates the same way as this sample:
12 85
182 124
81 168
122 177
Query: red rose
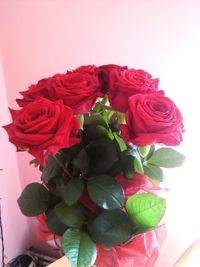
78 89
43 88
104 74
152 118
92 69
111 67
125 83
43 127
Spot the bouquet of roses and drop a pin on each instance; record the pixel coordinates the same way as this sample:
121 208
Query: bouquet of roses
100 136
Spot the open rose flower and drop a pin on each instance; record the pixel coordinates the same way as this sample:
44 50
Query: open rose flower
127 82
104 74
43 127
43 89
78 89
152 118
87 69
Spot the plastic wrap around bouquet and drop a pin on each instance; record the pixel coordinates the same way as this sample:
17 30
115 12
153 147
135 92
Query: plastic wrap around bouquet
101 137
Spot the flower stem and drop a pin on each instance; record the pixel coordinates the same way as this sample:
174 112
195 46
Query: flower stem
104 100
106 107
62 166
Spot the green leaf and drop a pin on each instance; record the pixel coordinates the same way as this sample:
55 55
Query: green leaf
34 199
138 166
81 161
127 163
114 170
104 115
71 216
51 169
105 192
72 191
120 142
104 100
66 155
81 120
79 248
54 225
154 172
146 210
110 114
111 228
102 154
90 216
151 151
55 199
107 133
93 132
144 150
167 158
95 120
121 118
137 161
97 107
55 185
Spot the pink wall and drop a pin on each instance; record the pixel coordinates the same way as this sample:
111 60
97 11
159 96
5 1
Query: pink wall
40 38
15 226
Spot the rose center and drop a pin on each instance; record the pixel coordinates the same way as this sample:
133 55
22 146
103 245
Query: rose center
159 107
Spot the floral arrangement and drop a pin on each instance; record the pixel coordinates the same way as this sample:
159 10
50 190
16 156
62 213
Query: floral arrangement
101 137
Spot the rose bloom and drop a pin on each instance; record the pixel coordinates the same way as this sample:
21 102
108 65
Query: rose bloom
104 74
152 118
124 83
92 69
78 89
43 127
43 89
